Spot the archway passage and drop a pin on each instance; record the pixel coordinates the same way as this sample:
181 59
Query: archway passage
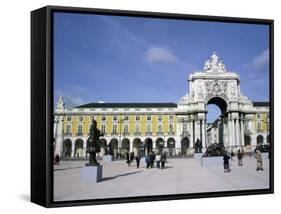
149 146
78 148
137 146
67 148
103 145
171 144
259 139
247 140
159 145
216 117
113 147
220 102
125 145
184 145
268 139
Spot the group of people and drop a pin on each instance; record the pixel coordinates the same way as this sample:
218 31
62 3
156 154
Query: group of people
160 158
240 155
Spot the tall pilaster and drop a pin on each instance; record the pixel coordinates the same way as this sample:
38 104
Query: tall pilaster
242 131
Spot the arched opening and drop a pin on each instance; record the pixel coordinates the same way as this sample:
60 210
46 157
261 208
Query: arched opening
268 139
247 140
78 148
216 118
259 139
113 147
103 146
148 145
159 144
171 144
67 148
137 146
184 145
125 145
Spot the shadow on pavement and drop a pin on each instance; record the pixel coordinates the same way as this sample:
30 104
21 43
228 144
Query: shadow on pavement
120 175
68 168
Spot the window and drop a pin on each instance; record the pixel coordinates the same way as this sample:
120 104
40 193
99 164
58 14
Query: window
259 126
126 128
159 128
148 127
137 128
68 129
170 127
114 118
160 118
114 129
126 118
103 118
171 118
258 116
68 118
137 118
80 128
148 118
80 118
103 128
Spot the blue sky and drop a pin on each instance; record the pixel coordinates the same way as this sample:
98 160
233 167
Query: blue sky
130 59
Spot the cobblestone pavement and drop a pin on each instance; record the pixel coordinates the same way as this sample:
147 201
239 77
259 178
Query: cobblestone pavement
181 176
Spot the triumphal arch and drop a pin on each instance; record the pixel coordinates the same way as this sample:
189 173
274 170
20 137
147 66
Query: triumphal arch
214 85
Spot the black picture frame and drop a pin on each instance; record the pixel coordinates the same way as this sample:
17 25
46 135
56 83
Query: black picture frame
42 104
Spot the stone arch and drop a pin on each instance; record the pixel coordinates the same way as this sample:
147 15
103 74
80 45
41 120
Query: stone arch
171 145
136 145
113 146
247 140
268 139
125 145
78 151
219 101
103 145
159 144
259 139
148 145
184 145
67 148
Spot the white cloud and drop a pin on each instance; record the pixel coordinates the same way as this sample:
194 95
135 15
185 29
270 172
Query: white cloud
160 54
260 61
70 100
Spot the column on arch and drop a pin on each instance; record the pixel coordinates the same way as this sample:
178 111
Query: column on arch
242 130
73 148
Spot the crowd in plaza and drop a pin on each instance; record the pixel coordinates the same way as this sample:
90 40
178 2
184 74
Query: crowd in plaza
151 158
240 155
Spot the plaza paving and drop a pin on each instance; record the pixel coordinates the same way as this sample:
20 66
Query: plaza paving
181 176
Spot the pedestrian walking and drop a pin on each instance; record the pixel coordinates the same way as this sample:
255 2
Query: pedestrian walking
57 159
132 156
240 157
232 154
147 160
152 159
158 159
138 157
259 160
128 158
226 162
163 160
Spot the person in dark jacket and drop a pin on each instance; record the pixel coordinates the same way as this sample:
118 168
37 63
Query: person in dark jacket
232 154
226 162
239 157
57 159
138 157
163 160
128 158
132 156
148 160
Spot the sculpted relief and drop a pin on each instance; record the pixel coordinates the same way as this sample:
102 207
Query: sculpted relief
216 88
